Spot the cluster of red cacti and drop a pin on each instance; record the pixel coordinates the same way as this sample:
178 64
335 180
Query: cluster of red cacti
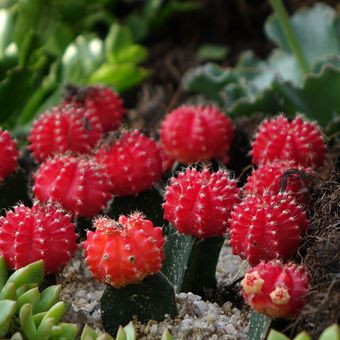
81 168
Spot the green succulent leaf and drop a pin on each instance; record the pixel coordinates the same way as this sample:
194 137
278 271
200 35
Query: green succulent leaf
121 335
151 299
275 335
166 335
7 311
45 328
48 298
27 323
316 41
32 296
37 318
56 312
8 292
130 331
259 326
17 336
331 333
3 272
88 333
65 331
302 336
177 249
32 273
318 98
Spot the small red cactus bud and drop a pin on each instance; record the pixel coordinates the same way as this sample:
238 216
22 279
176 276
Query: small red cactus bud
266 227
133 163
298 140
102 102
80 185
44 231
124 252
275 289
199 202
196 133
8 155
65 128
269 177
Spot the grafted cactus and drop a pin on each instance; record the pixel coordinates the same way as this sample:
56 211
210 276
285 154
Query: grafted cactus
27 313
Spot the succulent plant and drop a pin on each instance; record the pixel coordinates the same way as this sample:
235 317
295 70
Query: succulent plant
27 313
124 333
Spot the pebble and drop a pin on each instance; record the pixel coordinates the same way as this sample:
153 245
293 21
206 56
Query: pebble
196 320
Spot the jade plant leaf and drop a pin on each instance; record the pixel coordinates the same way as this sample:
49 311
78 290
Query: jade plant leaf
259 326
331 333
317 41
150 300
7 310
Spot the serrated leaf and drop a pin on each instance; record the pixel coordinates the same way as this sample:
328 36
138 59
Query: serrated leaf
316 41
318 98
151 299
259 326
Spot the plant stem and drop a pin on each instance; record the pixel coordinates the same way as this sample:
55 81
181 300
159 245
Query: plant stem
282 16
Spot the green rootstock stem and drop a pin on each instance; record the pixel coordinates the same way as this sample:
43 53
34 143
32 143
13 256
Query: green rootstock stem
200 275
282 15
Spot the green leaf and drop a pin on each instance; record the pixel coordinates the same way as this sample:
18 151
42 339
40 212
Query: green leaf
27 323
17 336
318 98
3 272
121 76
56 312
88 333
200 273
15 89
32 273
132 54
32 296
6 24
81 59
8 292
259 326
118 39
48 298
121 335
150 300
177 253
45 328
209 80
7 311
275 335
166 335
212 52
130 331
302 336
317 41
34 23
65 331
331 333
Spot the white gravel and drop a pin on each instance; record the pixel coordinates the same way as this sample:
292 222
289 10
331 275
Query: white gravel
196 319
